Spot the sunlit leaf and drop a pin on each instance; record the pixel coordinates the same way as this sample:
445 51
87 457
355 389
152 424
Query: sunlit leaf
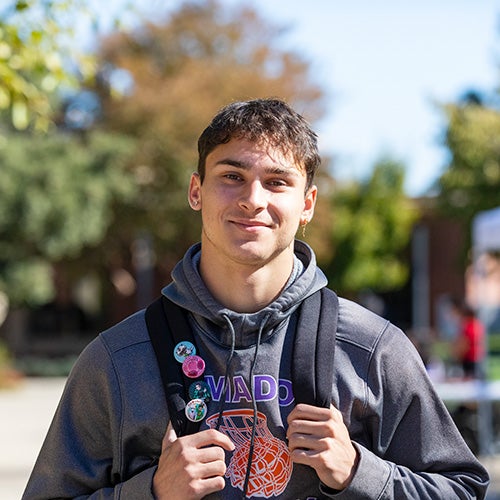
20 118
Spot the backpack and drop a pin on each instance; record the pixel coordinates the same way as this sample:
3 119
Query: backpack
312 355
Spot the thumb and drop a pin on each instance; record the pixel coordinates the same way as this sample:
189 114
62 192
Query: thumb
170 436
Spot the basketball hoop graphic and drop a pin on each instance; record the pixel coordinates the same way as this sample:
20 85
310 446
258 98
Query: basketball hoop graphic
271 467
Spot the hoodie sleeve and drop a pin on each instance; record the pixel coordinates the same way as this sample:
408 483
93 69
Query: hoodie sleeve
412 448
81 454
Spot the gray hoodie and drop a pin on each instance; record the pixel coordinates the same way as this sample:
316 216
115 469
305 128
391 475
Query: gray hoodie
106 435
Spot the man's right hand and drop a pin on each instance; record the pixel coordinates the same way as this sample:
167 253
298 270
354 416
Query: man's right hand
191 467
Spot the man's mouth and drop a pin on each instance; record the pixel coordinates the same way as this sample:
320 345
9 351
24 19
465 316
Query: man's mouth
249 224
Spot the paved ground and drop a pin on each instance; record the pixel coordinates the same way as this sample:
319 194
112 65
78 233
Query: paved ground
25 415
26 412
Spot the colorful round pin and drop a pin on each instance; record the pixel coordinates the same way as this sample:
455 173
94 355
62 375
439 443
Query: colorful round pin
196 410
193 366
184 349
200 390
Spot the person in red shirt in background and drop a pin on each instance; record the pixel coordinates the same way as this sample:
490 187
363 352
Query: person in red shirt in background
470 343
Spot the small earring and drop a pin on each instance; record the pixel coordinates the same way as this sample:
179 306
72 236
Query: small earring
303 226
195 203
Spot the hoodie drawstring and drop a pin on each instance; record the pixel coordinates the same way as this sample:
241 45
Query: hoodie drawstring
226 375
254 402
254 405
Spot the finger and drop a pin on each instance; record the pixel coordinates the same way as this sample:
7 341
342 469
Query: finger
212 468
303 456
308 412
204 439
318 422
336 414
301 429
212 437
211 485
211 454
305 413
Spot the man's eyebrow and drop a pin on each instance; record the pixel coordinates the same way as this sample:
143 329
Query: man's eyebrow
233 163
246 166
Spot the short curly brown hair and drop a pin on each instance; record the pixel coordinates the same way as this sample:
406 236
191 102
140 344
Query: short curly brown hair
271 120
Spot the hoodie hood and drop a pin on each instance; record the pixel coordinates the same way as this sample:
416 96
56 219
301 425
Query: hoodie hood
189 291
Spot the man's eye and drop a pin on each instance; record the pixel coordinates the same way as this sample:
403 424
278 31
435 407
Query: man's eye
278 183
233 177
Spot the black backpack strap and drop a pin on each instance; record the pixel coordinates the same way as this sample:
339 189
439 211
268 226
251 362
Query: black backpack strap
167 326
314 347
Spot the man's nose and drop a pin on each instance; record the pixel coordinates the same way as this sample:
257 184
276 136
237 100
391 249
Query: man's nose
254 196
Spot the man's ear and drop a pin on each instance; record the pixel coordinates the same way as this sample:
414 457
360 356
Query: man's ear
194 192
309 204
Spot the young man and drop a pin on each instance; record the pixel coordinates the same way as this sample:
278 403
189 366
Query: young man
386 434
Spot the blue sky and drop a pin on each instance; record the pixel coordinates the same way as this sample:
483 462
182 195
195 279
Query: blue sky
383 65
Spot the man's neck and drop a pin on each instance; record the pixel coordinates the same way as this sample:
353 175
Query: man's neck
246 289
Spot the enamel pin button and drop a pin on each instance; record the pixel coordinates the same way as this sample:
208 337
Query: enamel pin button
200 390
193 366
196 410
184 349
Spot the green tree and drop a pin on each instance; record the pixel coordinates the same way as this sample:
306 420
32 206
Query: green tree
57 200
370 229
42 52
471 182
180 72
79 202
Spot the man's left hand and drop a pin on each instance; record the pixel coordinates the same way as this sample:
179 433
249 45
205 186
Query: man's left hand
319 438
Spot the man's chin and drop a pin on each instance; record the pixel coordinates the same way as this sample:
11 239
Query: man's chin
256 254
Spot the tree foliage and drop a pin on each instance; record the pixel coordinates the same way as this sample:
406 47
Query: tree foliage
38 56
471 182
57 195
180 72
44 50
83 200
186 68
67 199
371 227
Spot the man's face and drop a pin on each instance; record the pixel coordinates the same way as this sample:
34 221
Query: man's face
252 201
